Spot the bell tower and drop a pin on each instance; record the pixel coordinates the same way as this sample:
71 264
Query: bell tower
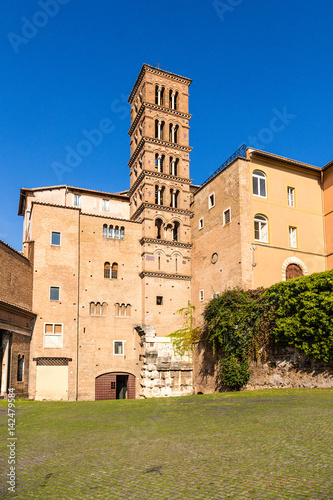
160 191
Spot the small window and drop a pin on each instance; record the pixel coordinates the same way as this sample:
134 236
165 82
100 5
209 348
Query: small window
226 217
114 271
107 270
159 300
291 196
201 223
53 335
259 183
77 200
54 293
292 237
211 201
260 228
105 230
106 205
215 295
55 238
201 295
118 347
20 368
113 385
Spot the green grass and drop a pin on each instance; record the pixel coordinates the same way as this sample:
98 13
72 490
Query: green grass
248 445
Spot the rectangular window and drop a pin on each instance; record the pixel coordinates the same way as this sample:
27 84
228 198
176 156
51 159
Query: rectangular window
54 293
55 238
159 300
118 347
53 335
292 237
211 201
226 216
201 224
215 295
201 295
106 205
77 200
113 385
291 197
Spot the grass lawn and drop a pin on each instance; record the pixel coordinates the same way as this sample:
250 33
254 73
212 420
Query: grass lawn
248 445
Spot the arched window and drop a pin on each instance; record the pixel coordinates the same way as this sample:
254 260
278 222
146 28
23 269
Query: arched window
174 198
173 98
259 184
105 230
116 232
117 309
261 228
158 226
173 165
159 262
128 310
114 271
159 195
98 309
168 231
159 128
159 161
122 232
175 231
176 263
111 234
107 270
92 309
159 95
104 308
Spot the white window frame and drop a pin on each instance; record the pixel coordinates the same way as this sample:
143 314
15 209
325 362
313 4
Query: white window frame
292 236
77 200
59 336
260 228
291 196
201 295
258 177
105 205
123 347
54 300
201 223
210 203
54 244
216 294
224 214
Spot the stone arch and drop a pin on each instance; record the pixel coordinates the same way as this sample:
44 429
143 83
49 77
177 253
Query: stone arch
293 260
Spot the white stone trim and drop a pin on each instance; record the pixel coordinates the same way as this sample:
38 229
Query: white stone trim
293 260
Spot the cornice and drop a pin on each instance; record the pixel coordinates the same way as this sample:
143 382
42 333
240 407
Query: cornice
144 139
160 175
151 274
157 71
145 205
174 112
165 242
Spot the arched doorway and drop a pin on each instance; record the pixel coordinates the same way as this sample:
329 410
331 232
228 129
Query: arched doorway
293 271
115 385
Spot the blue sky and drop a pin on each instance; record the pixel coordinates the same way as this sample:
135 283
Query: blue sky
262 75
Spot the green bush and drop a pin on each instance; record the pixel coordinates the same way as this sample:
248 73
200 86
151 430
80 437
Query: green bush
302 311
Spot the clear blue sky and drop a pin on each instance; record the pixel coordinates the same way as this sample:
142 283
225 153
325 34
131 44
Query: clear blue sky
250 61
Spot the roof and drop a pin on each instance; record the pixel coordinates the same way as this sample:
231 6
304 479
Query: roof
160 71
282 159
13 249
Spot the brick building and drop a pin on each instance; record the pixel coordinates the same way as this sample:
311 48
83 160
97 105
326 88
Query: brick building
16 320
111 270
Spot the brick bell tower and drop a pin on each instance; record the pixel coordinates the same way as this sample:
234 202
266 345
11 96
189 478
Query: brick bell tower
160 193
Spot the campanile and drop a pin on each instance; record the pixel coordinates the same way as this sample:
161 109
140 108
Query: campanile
160 191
